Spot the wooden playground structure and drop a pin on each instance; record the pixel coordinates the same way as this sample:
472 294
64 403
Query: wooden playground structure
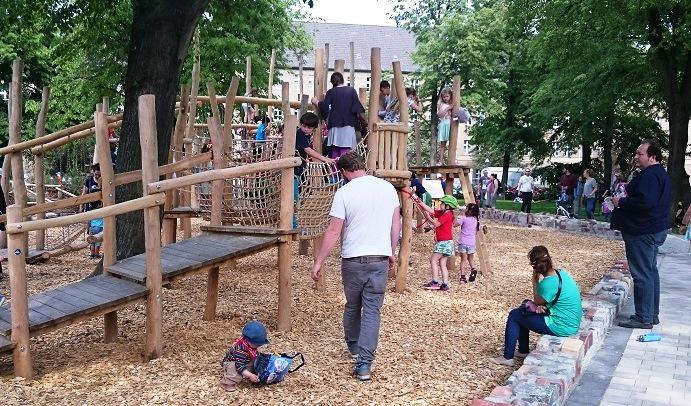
243 188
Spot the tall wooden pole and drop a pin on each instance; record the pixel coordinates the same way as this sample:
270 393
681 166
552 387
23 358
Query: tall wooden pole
319 83
362 95
270 90
152 229
325 71
173 198
453 136
352 64
248 75
301 67
213 102
39 167
285 98
230 105
373 138
418 144
406 238
17 161
285 294
110 320
19 305
218 141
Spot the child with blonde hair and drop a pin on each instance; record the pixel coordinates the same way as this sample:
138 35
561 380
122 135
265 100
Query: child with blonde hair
444 110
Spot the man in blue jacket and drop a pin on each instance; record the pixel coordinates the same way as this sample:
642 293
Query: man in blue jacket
643 219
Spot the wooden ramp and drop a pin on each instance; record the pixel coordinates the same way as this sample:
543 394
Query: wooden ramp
5 345
194 254
33 257
69 304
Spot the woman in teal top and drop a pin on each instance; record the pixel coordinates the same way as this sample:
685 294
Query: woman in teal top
552 311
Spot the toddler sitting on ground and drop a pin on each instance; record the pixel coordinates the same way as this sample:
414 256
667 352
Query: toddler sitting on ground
238 362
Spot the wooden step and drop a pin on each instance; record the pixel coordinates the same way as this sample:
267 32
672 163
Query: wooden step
75 302
194 253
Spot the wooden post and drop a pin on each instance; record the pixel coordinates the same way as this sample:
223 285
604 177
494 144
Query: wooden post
372 138
318 91
149 146
285 222
187 194
19 305
212 101
453 135
400 92
325 71
189 132
270 90
339 66
248 75
17 161
362 95
418 144
352 64
110 320
301 76
304 245
218 147
303 105
230 105
482 253
173 199
406 240
39 167
285 98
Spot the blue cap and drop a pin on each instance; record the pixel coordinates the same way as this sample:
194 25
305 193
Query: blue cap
255 332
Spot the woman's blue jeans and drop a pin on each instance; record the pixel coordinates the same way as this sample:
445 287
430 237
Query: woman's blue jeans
590 207
518 327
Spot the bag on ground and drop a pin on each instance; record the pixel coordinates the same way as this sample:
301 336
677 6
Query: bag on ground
273 368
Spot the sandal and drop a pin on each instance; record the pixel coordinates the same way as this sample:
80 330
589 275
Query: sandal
462 280
473 275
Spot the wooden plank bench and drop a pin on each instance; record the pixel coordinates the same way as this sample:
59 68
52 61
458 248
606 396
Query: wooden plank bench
33 257
196 254
184 212
72 303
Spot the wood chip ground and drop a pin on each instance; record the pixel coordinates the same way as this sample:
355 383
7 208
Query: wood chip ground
432 350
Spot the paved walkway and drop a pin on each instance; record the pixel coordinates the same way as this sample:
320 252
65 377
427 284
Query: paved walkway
628 372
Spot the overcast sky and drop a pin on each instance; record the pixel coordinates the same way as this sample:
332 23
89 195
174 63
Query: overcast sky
367 12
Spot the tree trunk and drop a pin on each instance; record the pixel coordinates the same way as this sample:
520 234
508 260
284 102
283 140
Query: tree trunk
586 155
433 125
161 34
678 140
506 162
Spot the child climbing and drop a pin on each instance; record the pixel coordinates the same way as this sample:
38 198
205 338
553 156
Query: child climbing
444 109
470 225
238 362
442 220
95 227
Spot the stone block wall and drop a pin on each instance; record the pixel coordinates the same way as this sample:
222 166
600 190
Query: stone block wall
552 370
552 221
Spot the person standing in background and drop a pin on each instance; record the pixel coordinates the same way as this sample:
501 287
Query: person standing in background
589 196
525 187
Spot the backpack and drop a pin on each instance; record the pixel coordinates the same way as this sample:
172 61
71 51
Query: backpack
273 368
463 115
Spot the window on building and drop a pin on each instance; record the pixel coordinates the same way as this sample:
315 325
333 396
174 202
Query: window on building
369 82
278 114
466 147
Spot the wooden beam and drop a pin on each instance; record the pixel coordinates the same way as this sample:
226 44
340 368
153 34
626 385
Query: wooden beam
230 103
406 239
453 135
318 91
217 186
124 178
248 75
285 98
418 144
251 100
339 66
152 227
270 91
227 173
325 68
49 146
352 64
212 100
375 79
285 296
19 305
39 167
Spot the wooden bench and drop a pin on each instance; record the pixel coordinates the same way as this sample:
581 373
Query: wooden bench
74 302
193 255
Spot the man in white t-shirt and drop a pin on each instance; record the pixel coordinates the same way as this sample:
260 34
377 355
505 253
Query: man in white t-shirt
525 188
368 208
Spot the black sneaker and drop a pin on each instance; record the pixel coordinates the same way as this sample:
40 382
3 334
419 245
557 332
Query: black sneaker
635 324
473 275
444 287
463 280
656 320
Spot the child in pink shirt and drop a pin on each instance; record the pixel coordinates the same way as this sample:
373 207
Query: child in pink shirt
470 224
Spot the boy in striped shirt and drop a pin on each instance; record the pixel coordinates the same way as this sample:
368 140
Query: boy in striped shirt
238 362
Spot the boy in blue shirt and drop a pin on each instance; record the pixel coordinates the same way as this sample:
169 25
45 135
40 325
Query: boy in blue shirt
95 227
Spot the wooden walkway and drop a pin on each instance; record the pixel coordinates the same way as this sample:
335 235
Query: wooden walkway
195 254
68 304
34 256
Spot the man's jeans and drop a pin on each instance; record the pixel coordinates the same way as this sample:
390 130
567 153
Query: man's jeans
641 253
364 286
518 328
590 207
527 204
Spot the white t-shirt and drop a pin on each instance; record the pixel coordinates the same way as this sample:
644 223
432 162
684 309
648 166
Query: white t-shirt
525 183
367 205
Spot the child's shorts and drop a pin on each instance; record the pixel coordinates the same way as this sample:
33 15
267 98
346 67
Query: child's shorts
444 247
465 249
94 231
231 376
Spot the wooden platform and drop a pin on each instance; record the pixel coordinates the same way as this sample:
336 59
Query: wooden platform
33 257
194 254
183 212
70 303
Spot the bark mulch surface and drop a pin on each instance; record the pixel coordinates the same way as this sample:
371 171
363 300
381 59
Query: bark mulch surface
432 350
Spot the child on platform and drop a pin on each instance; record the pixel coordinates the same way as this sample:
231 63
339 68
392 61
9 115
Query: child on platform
442 220
238 362
444 109
470 225
95 227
